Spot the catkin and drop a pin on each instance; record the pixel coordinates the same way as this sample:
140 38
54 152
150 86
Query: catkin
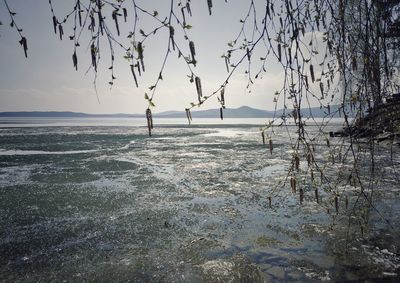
75 60
188 115
93 55
115 18
140 54
209 3
55 24
125 14
321 87
301 195
188 8
227 64
198 88
293 184
24 46
297 162
306 80
171 35
223 97
149 120
271 146
279 53
60 31
79 13
134 75
192 51
312 73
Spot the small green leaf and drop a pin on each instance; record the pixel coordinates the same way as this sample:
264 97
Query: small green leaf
187 26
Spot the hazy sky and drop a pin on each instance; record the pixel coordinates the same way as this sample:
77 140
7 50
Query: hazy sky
48 81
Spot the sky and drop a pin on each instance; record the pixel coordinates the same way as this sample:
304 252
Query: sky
47 81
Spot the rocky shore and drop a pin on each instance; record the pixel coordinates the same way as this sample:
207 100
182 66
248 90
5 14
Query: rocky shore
381 124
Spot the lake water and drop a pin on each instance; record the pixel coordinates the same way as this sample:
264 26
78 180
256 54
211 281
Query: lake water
99 200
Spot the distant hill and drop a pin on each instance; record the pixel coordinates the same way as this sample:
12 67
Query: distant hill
61 114
248 112
241 112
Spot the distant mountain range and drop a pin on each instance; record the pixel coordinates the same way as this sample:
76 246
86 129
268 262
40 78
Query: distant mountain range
62 114
241 112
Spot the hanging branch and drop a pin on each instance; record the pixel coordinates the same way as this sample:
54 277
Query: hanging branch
13 24
317 44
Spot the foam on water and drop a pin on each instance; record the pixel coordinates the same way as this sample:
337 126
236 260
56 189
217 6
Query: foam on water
41 152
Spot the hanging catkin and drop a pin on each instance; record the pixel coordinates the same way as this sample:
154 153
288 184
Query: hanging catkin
293 184
93 55
79 12
301 195
115 18
223 97
149 120
297 162
134 75
192 51
312 73
75 60
198 88
279 53
140 54
188 115
55 24
209 3
271 146
171 36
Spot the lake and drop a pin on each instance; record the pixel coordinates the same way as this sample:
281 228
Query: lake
99 200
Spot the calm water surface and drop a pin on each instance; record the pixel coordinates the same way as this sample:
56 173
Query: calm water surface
98 200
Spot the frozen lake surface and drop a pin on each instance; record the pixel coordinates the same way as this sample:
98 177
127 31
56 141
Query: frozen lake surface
98 200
